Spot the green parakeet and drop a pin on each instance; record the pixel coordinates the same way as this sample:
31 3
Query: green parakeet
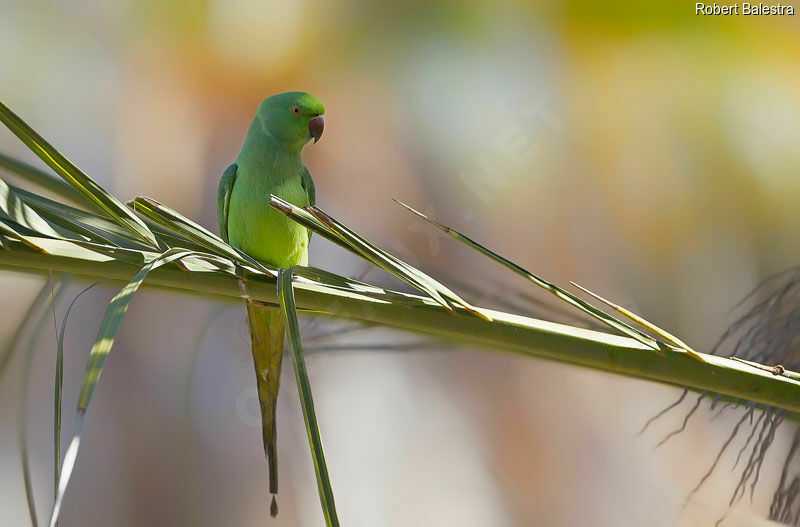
270 163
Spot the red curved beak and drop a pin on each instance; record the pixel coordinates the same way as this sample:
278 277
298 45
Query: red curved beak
315 127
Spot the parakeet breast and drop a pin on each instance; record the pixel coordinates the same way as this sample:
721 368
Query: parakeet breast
257 228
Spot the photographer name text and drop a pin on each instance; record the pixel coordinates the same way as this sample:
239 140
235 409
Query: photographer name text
744 9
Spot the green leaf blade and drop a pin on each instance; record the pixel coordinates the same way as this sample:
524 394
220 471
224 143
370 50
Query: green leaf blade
558 292
289 311
321 223
40 178
100 350
59 388
87 220
74 176
195 233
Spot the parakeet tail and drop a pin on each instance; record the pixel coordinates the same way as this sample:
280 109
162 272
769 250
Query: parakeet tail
266 336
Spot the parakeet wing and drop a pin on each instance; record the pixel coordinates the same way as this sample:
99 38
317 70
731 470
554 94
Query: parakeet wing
308 186
311 192
224 199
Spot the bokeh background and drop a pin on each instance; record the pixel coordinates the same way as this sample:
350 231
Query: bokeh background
633 147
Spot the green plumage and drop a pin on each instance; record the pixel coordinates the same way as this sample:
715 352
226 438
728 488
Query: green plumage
270 163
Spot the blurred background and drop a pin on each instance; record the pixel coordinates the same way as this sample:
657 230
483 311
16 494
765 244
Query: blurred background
636 148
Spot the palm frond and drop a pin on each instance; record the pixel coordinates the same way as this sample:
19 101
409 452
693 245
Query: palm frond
74 176
559 293
166 249
289 311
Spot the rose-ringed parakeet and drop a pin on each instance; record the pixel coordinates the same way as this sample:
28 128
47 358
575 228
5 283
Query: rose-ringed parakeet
270 163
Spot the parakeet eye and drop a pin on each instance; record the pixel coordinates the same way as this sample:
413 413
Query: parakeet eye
296 110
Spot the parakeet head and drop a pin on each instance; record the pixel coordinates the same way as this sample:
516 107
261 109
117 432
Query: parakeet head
292 118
